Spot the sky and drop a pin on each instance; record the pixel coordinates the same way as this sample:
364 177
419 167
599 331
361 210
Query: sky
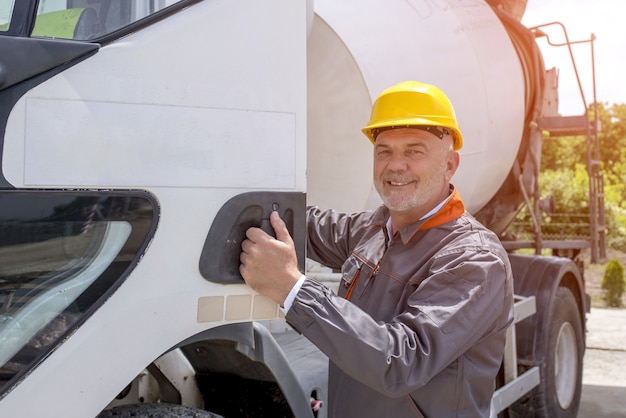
581 19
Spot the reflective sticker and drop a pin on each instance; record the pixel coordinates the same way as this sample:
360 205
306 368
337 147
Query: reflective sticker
238 307
211 309
264 308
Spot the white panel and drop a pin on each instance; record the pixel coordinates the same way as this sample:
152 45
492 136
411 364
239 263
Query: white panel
244 57
125 145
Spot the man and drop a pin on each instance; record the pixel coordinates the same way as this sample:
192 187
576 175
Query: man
418 325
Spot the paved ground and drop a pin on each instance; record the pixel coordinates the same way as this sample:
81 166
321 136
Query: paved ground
604 373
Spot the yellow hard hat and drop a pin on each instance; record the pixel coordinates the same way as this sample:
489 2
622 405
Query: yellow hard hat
416 105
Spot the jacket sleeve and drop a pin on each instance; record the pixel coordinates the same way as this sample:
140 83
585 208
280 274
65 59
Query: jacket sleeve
465 300
331 235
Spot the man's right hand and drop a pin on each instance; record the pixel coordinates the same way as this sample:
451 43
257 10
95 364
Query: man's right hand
270 265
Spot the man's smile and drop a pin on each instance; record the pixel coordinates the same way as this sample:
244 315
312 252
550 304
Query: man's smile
398 183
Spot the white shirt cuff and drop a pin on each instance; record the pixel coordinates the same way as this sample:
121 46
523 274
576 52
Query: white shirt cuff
292 294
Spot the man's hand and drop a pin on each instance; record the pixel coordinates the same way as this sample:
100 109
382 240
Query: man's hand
270 265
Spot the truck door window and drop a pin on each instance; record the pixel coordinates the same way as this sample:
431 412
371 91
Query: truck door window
6 10
61 253
91 19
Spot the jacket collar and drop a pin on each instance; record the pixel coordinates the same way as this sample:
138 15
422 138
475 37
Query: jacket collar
452 209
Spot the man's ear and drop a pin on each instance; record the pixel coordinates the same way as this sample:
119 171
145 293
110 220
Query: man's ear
454 160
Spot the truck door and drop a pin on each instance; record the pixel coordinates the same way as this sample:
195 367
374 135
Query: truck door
61 251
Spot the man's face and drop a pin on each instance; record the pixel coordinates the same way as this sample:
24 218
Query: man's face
412 169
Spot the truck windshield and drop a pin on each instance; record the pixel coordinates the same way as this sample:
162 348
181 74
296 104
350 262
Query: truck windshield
83 20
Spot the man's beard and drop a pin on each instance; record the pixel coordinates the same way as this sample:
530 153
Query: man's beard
425 189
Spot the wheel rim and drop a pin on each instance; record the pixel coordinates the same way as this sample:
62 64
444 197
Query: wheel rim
566 365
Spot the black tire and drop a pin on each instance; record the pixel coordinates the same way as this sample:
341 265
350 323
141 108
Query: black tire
558 394
156 410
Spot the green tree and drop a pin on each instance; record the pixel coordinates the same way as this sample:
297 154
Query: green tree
615 208
569 186
564 173
563 152
612 137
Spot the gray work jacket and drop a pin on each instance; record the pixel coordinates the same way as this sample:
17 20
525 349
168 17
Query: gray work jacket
423 332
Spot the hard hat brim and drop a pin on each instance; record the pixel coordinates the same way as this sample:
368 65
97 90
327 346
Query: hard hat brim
408 123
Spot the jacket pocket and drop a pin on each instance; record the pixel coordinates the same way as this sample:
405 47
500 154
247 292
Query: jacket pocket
351 271
357 277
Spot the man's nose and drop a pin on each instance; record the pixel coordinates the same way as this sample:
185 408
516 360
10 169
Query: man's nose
397 162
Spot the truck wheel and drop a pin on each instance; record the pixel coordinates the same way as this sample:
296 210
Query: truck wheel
156 410
558 394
